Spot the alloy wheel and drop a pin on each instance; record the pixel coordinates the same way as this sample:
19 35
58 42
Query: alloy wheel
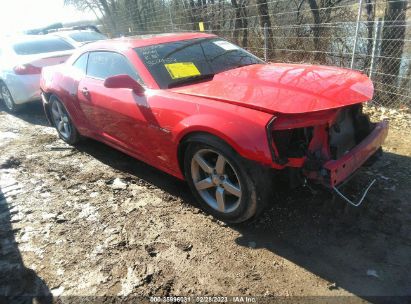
216 180
61 119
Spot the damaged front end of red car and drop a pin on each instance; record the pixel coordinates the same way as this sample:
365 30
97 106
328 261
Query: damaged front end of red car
325 147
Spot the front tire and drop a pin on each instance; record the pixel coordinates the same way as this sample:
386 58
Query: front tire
223 183
7 98
62 122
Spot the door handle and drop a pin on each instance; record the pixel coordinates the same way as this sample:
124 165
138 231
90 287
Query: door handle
85 92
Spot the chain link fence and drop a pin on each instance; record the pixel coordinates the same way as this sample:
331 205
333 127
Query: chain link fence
373 36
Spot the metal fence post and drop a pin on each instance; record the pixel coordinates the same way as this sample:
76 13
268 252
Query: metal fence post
265 42
354 49
171 17
375 46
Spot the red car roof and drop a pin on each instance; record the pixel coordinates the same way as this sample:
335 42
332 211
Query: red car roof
145 40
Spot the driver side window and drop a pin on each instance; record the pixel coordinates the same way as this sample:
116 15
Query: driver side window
102 65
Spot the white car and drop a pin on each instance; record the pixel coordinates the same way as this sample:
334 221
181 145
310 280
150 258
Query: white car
21 62
78 38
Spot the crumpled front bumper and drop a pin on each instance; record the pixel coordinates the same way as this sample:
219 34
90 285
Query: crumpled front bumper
341 169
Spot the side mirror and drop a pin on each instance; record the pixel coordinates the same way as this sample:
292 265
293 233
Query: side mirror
123 82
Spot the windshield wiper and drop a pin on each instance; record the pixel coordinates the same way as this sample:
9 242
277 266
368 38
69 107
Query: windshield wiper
192 79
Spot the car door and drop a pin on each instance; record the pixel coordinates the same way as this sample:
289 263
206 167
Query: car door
115 114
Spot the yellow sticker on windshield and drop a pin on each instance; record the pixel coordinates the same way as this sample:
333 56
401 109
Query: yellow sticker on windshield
182 70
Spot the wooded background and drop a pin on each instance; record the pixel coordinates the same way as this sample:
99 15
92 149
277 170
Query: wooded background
373 36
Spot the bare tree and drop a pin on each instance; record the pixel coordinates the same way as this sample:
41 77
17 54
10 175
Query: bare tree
109 14
392 46
315 11
266 21
321 13
369 8
241 21
101 6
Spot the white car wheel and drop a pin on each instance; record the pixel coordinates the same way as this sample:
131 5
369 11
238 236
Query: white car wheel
7 98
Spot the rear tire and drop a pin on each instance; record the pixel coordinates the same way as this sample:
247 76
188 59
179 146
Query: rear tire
63 122
225 185
7 98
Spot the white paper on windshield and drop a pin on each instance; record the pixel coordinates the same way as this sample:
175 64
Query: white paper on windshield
226 45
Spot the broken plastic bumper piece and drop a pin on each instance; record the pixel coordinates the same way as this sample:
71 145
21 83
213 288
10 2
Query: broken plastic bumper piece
341 169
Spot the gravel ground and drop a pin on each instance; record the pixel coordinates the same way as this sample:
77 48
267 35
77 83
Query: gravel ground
91 221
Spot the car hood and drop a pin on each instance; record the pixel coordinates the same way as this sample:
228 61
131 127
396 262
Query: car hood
285 88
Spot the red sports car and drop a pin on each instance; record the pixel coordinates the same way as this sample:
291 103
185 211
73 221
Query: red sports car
202 109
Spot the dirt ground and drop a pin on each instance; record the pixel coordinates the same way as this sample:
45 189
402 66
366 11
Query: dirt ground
92 221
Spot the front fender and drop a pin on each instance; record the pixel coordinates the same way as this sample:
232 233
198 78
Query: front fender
248 138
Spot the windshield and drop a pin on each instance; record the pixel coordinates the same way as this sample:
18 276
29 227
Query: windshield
87 36
39 46
170 63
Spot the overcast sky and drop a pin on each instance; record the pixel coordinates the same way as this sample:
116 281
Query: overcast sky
18 15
